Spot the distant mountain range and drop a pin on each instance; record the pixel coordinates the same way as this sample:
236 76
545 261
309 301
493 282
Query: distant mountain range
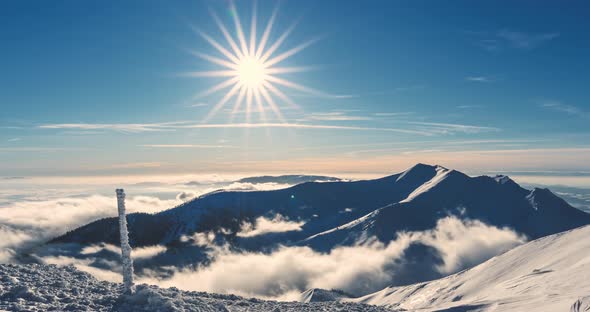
289 179
341 213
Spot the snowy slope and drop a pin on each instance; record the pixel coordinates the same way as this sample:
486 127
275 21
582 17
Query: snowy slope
441 174
548 274
45 288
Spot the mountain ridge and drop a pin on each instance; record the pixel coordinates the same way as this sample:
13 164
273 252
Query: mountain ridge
410 200
324 216
322 194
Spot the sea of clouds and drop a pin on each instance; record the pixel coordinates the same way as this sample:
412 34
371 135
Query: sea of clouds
33 211
28 219
287 271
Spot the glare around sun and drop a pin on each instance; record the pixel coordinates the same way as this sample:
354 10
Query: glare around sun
249 65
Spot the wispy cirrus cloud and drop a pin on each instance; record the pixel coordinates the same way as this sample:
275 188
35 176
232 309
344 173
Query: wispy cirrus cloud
326 96
135 128
343 96
122 127
185 146
11 127
39 149
14 139
420 128
336 116
523 40
303 126
412 128
392 114
478 79
511 39
449 128
564 108
469 106
389 91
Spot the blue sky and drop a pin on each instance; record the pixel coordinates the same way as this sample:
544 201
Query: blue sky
102 87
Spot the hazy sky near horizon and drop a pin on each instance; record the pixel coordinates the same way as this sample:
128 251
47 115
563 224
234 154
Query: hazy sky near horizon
92 88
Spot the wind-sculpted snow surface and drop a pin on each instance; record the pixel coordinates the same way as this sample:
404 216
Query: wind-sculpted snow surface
51 288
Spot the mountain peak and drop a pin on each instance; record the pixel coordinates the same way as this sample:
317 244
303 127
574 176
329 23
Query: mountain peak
502 179
422 166
322 295
440 173
420 170
545 192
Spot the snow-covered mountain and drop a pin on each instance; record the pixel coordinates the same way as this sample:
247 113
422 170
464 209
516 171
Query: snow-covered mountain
549 274
328 216
334 212
321 205
497 201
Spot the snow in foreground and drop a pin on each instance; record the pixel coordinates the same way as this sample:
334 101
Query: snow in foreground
549 274
51 288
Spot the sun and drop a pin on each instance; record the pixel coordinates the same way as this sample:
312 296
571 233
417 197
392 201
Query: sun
251 73
251 67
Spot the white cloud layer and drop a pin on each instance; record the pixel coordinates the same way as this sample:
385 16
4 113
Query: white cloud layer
357 269
27 222
262 225
44 211
281 274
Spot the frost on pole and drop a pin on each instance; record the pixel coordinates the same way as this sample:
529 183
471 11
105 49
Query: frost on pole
125 247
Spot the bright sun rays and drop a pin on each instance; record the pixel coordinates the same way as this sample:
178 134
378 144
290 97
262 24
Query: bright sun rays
251 68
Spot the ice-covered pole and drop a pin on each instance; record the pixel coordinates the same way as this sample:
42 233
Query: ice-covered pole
125 247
